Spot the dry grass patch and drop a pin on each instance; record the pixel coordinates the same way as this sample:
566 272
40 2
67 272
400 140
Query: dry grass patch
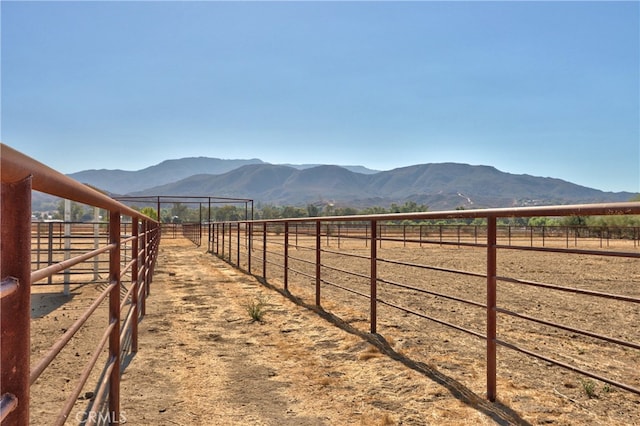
369 353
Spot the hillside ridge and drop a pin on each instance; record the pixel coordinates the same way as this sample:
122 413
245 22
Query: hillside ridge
441 186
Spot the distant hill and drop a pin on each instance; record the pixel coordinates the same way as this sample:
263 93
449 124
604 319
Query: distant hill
355 169
441 186
123 181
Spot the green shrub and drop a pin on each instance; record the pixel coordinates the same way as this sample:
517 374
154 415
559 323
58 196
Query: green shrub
256 308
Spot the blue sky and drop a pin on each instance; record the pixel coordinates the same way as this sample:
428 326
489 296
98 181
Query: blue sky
539 88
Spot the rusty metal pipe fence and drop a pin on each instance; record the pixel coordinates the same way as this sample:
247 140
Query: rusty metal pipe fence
131 242
375 260
193 232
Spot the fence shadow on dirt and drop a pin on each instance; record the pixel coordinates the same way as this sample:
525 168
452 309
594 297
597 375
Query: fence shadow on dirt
43 304
498 412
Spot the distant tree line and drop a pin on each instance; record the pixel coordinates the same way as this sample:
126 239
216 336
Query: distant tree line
181 212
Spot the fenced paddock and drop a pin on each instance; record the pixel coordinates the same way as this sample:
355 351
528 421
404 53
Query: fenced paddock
538 310
54 242
116 259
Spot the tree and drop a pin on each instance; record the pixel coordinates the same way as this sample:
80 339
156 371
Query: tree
572 221
178 212
226 213
346 211
270 212
77 211
374 210
289 211
312 210
150 212
408 207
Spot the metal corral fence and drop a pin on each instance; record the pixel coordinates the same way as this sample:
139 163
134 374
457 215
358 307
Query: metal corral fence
566 235
549 284
55 241
190 230
172 230
130 242
193 232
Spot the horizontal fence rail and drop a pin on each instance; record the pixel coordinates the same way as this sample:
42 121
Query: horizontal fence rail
118 255
374 262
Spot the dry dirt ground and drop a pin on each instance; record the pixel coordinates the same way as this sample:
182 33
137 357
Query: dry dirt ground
202 360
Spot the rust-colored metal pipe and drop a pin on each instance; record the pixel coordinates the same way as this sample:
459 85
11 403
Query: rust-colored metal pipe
264 251
16 166
42 364
8 286
249 245
135 281
374 276
286 256
114 317
15 309
238 244
8 403
318 264
491 307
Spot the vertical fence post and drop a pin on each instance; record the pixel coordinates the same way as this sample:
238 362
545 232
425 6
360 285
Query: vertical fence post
264 251
238 243
366 235
374 276
318 232
200 227
145 267
96 242
223 233
38 246
286 256
209 225
328 233
249 230
135 279
67 244
218 238
404 235
491 307
149 251
114 317
15 310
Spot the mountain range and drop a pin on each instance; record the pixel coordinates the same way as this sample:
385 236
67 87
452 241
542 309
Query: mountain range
441 186
169 171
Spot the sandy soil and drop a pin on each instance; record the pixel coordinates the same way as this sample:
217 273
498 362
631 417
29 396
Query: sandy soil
203 361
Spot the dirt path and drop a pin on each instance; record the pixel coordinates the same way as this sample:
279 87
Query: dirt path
202 360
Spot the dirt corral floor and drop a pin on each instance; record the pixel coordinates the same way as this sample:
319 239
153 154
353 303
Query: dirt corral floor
203 361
